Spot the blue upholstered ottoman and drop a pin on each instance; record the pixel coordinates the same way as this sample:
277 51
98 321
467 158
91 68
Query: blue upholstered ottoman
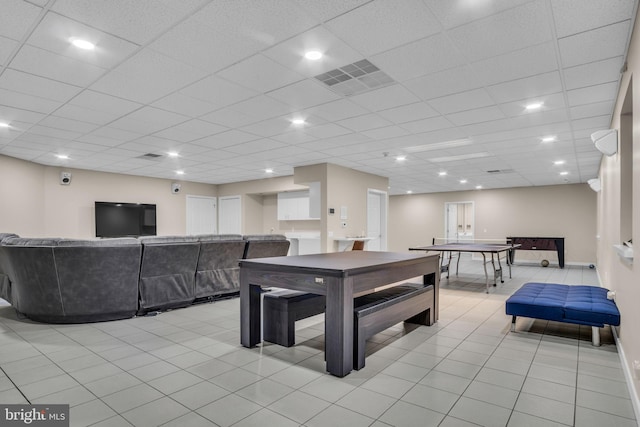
583 305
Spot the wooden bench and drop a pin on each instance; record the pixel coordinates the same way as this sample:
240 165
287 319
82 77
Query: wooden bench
373 313
380 310
282 308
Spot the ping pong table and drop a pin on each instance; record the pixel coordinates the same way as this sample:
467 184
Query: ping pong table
473 247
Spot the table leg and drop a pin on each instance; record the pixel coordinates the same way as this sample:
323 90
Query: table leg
250 314
486 275
499 267
339 326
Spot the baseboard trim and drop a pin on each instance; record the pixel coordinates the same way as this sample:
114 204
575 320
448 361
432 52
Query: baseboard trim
628 376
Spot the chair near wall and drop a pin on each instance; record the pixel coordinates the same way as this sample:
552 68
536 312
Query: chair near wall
358 245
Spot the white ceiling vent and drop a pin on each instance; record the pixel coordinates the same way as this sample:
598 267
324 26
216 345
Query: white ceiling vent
151 156
355 78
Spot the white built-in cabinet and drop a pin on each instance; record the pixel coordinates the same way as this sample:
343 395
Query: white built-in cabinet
300 205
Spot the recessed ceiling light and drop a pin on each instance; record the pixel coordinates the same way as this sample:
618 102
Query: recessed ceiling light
534 106
62 156
564 173
549 138
82 44
313 55
409 192
268 170
298 122
401 158
559 162
443 173
4 125
179 172
463 181
478 187
172 154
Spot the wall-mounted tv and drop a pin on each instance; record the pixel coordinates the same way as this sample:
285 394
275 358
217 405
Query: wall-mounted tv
125 219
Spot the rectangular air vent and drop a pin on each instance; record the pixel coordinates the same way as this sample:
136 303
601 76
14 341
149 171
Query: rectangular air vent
355 78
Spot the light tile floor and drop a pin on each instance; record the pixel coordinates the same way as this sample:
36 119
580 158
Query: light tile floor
186 368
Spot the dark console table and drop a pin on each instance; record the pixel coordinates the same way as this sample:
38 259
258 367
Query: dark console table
538 244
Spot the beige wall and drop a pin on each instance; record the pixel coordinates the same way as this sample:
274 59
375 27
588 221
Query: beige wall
616 273
564 211
21 197
37 205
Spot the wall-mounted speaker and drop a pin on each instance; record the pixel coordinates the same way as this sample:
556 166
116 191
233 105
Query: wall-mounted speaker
606 141
175 187
595 184
65 178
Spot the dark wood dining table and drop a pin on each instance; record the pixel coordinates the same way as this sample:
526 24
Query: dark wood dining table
341 276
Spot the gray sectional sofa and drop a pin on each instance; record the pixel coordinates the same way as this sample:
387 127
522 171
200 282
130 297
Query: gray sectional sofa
57 280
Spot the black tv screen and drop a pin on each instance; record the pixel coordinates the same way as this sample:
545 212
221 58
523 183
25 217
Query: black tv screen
125 219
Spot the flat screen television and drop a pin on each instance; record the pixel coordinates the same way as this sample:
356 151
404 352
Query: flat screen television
125 219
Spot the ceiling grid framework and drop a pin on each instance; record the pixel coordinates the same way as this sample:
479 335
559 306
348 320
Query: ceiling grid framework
224 85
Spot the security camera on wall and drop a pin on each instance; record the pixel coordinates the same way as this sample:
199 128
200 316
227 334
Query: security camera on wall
65 178
175 187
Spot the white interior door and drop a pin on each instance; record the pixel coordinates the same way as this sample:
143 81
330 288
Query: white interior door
201 215
451 222
230 215
376 220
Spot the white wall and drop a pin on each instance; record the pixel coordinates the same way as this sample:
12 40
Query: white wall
615 273
35 204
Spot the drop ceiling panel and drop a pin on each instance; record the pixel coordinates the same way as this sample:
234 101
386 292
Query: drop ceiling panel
304 94
18 118
593 73
55 33
384 24
189 40
504 32
56 67
37 86
328 130
68 124
337 110
385 98
260 73
217 91
597 93
527 88
591 110
425 56
517 64
27 102
7 46
462 101
408 113
427 125
185 105
336 53
477 115
447 82
327 9
364 122
576 16
595 45
137 21
17 17
262 108
455 13
272 22
225 139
